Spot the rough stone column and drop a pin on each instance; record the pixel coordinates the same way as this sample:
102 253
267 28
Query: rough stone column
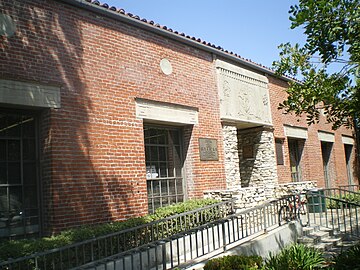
257 159
232 170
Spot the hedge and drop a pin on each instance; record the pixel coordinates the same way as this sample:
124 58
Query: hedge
25 247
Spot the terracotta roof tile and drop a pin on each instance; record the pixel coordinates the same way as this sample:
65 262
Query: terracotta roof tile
150 22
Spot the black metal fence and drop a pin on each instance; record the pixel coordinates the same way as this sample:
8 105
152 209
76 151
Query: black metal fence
354 188
75 255
183 239
335 208
189 246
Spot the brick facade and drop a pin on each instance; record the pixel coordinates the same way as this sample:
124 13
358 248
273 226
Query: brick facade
92 156
92 149
312 162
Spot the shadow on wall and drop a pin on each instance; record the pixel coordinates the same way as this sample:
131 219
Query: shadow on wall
248 145
47 49
271 243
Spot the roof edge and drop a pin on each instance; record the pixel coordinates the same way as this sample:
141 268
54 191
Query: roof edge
183 39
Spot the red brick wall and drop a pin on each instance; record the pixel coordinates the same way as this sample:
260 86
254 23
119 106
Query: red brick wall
92 154
312 163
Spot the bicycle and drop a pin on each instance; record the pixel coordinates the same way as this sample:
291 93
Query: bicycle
294 210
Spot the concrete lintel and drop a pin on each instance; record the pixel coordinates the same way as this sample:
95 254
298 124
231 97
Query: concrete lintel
295 132
29 94
347 140
326 136
155 111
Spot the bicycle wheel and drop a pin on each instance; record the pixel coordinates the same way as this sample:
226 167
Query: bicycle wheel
284 215
302 215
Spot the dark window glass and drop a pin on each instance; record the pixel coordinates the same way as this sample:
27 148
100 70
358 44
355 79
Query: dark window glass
154 155
14 125
3 125
4 204
349 168
28 127
163 166
18 176
179 186
3 173
15 200
279 151
31 197
14 173
29 149
29 173
295 153
156 188
14 150
175 137
2 150
326 150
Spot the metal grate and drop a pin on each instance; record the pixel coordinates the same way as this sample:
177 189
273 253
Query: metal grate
19 202
164 163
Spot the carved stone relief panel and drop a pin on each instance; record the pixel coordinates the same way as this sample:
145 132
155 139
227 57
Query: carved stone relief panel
243 94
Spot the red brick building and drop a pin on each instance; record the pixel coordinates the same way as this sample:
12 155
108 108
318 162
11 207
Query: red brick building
105 116
327 156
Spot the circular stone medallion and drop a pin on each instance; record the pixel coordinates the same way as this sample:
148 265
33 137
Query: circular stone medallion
165 66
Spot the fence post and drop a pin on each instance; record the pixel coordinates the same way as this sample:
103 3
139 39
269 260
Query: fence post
264 214
163 246
223 235
294 206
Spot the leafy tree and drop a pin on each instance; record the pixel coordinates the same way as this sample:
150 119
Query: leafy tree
332 28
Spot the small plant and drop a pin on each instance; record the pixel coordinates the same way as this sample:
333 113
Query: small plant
348 259
350 197
331 203
296 257
235 262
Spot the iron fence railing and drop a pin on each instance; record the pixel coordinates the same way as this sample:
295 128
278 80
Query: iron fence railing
187 247
81 253
332 208
341 191
186 238
354 188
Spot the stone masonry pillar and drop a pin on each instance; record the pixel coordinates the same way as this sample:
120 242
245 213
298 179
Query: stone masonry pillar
232 170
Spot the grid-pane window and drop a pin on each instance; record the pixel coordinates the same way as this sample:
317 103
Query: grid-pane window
164 162
19 204
295 152
279 151
349 170
326 149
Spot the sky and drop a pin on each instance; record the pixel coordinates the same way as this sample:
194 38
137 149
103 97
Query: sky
251 28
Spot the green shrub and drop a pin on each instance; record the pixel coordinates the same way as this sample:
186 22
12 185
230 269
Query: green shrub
179 208
349 197
348 259
235 262
333 204
296 257
24 247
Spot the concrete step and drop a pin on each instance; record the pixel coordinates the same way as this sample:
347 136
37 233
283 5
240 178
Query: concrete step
314 237
330 241
321 246
340 247
310 230
335 241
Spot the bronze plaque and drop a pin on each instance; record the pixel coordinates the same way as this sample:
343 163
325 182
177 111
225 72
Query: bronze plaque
208 149
248 151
